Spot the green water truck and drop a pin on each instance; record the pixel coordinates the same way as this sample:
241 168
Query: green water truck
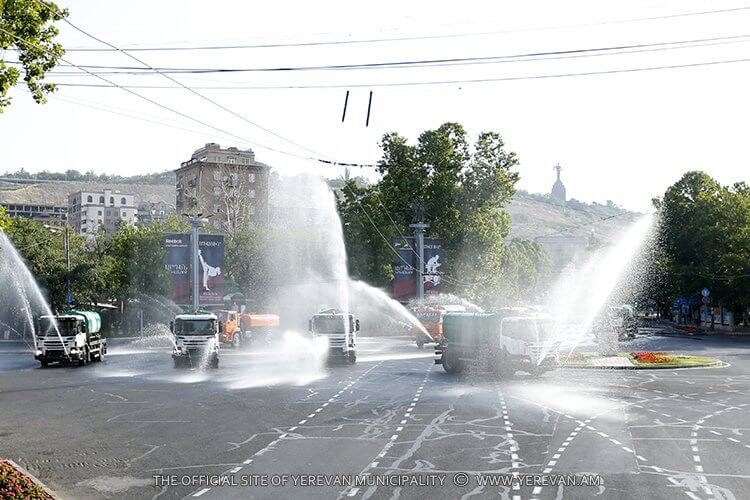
70 337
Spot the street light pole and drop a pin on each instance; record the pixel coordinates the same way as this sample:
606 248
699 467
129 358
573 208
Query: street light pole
67 265
196 222
419 230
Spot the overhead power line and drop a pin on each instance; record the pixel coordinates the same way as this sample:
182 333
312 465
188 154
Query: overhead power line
410 38
110 83
419 63
189 89
425 83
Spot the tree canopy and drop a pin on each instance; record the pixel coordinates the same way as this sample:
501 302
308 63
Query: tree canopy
28 27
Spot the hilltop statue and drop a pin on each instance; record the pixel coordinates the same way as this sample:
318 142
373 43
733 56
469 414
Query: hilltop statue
558 189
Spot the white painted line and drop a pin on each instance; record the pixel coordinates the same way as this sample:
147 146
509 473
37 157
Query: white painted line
318 410
537 490
399 429
324 405
547 471
695 441
235 470
641 458
566 443
311 415
353 492
201 492
628 449
616 442
514 456
292 428
694 448
733 440
403 421
247 461
374 464
696 458
413 404
394 437
714 432
302 422
692 495
574 433
556 456
331 400
551 463
698 468
602 434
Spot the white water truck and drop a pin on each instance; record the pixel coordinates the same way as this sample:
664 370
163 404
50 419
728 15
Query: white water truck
196 339
71 337
340 329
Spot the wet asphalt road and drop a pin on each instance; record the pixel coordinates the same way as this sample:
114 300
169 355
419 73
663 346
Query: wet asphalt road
105 430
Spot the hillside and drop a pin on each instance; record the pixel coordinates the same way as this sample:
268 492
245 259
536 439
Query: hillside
534 215
56 192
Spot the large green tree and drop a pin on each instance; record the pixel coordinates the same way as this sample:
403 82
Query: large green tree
27 27
458 188
705 239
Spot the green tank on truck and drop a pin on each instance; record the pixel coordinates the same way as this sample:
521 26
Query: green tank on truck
504 342
71 337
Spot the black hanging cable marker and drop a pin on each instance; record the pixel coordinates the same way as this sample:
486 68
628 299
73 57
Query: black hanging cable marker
346 101
369 105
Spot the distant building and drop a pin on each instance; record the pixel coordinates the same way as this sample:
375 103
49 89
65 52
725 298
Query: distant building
558 188
150 212
91 212
226 183
53 214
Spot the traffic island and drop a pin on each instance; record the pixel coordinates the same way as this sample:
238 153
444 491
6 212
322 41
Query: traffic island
644 360
16 482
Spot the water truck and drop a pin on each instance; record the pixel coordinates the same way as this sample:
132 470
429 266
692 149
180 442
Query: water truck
502 342
431 318
340 329
196 339
620 321
238 329
71 337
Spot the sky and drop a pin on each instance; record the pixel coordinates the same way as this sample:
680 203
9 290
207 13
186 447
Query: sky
622 136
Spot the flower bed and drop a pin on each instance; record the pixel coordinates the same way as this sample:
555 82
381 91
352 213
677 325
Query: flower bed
15 484
651 357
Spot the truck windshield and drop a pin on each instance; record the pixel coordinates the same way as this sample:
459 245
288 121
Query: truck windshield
222 315
195 327
67 327
336 324
528 330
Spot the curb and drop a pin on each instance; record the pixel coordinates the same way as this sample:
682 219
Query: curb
31 476
717 363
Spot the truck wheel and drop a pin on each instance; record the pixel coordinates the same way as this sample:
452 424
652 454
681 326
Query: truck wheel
45 364
420 343
237 340
352 357
450 363
215 363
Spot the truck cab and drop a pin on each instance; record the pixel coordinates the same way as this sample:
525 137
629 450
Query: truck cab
431 318
72 337
196 340
340 329
229 327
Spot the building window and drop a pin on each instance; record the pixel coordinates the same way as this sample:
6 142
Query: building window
124 214
217 191
217 208
217 175
101 200
100 212
89 199
122 201
231 160
111 200
251 177
251 193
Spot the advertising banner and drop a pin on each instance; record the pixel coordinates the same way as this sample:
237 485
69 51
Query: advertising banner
210 274
177 264
405 265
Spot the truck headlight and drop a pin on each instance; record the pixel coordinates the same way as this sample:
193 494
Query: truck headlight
74 351
38 352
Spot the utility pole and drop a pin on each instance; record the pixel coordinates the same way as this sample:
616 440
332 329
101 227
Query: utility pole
68 296
196 222
419 229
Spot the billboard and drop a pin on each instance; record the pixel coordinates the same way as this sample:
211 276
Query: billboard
405 264
177 264
210 275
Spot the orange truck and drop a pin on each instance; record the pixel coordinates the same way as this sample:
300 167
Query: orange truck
431 318
239 328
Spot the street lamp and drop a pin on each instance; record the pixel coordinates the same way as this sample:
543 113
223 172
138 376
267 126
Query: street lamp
196 221
55 230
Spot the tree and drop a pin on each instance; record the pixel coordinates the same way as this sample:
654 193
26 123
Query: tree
458 189
28 27
704 240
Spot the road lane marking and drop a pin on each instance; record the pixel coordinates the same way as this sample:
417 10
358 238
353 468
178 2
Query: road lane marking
201 492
